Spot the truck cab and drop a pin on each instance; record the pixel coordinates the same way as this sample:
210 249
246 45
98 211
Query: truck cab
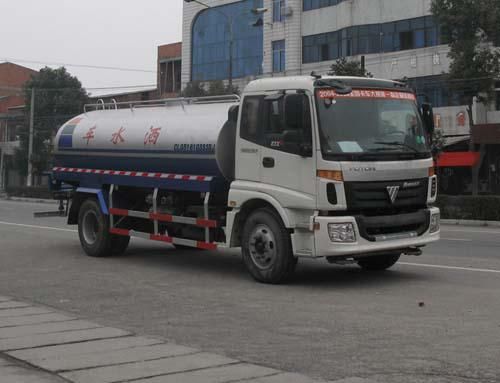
342 163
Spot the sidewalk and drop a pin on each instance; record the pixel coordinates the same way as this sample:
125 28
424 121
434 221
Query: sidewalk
14 372
39 344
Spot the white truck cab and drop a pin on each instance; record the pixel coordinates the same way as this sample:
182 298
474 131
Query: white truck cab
342 163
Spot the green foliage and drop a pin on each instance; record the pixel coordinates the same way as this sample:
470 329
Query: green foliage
215 88
194 89
472 27
342 67
58 97
483 208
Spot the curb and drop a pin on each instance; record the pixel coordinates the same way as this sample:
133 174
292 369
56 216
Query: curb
470 222
26 199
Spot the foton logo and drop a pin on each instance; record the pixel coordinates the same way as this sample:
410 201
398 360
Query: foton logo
363 169
393 193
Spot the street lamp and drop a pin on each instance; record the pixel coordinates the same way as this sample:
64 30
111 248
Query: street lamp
230 22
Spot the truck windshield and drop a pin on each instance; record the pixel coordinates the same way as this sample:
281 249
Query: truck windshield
370 123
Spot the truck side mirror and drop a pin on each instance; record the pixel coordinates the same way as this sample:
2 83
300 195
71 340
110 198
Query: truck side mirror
427 118
232 114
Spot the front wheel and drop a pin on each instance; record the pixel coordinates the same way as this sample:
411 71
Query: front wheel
266 248
378 262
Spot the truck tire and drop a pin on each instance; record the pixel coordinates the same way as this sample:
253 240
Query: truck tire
93 230
379 262
266 248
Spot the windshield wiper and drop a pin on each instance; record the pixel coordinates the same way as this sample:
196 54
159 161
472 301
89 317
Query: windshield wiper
396 143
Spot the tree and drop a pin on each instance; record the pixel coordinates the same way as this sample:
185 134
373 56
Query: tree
58 97
194 89
342 67
472 27
217 88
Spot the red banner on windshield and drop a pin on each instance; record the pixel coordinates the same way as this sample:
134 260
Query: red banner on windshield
368 93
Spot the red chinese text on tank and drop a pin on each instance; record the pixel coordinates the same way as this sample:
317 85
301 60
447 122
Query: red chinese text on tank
117 137
90 135
151 137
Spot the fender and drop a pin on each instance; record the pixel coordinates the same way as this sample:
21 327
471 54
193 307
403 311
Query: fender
100 197
242 196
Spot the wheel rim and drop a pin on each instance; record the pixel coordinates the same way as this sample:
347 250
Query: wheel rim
262 246
90 227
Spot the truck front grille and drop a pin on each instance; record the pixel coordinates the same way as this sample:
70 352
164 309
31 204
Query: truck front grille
375 196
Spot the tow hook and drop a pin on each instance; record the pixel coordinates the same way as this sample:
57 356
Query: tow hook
413 251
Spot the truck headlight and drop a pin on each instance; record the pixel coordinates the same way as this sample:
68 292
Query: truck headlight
434 226
341 232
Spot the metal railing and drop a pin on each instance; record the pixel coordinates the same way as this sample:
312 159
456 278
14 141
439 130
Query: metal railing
113 105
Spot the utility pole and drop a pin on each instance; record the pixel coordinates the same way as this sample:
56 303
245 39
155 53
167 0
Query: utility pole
29 180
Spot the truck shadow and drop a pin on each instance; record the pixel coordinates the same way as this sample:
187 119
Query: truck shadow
228 264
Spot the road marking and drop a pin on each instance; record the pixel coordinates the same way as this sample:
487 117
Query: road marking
37 227
450 267
457 239
485 230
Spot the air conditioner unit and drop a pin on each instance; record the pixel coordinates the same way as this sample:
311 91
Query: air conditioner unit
287 11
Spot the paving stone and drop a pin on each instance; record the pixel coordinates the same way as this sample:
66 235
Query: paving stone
33 319
12 305
231 373
59 338
23 311
65 350
284 377
5 362
109 358
353 380
45 328
153 368
17 374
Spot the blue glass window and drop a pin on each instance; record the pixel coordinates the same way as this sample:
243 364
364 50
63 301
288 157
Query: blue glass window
279 56
211 42
373 38
278 10
308 5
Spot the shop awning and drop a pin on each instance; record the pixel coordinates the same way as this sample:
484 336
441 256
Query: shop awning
457 159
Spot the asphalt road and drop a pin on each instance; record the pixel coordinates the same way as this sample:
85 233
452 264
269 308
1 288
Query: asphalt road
434 318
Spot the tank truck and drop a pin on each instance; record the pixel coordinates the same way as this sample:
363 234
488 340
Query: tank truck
338 168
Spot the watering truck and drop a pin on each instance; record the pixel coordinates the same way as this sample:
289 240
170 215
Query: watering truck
297 167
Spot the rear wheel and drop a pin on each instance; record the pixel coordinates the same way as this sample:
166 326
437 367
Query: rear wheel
266 248
93 230
379 262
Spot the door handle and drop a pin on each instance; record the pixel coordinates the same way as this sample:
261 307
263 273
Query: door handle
268 162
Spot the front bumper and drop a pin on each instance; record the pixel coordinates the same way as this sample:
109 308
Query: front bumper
324 247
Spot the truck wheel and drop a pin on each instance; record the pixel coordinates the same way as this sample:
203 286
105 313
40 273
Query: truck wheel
378 262
266 248
93 230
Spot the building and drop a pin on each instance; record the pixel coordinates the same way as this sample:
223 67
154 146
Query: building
168 79
12 118
398 39
169 70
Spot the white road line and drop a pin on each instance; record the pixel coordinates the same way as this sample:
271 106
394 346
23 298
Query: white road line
450 267
37 227
457 239
486 230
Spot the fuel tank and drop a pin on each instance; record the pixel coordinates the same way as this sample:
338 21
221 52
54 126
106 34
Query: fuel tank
179 137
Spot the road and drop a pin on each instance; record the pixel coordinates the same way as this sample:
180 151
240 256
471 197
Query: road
434 318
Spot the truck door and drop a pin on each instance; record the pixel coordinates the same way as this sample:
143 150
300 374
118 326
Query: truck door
248 150
287 144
